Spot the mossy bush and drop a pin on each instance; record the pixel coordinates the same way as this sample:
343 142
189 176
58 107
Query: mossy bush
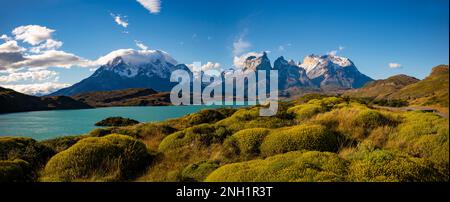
27 149
356 121
16 170
245 143
61 143
205 116
110 158
309 166
328 102
377 165
197 172
250 118
200 135
302 137
306 111
423 135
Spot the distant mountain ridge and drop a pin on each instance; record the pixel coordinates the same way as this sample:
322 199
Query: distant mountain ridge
152 69
12 101
125 97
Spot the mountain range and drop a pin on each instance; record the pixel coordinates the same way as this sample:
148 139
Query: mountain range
137 69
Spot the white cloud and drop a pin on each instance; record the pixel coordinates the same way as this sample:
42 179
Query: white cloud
32 34
5 37
120 20
205 67
141 45
154 6
335 52
281 48
135 56
394 65
10 53
332 53
51 58
37 88
240 46
10 47
239 61
50 44
40 75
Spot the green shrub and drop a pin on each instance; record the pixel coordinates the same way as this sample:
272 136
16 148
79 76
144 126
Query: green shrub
109 158
61 143
302 137
246 142
117 121
306 111
311 166
327 103
16 170
355 121
200 135
205 116
384 166
197 172
100 132
423 135
250 118
370 119
307 97
26 149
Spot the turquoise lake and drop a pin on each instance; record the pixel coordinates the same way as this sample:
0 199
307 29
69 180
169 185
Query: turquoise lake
42 125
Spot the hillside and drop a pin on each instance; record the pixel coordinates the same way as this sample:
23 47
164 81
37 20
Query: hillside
12 101
315 139
381 89
433 90
126 97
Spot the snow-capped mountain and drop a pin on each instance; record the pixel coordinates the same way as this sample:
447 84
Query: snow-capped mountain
327 72
129 68
256 63
331 71
290 74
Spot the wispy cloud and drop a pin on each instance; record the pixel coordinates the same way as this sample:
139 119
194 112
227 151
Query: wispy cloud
120 20
335 52
140 45
34 75
154 6
37 88
394 65
241 45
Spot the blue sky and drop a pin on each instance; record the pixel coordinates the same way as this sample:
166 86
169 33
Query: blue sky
412 34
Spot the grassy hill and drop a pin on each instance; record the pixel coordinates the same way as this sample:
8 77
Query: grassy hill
12 101
125 97
433 90
381 89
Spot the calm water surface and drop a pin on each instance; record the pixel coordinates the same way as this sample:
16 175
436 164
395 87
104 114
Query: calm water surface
42 125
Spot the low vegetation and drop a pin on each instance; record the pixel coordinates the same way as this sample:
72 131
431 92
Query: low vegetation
316 138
